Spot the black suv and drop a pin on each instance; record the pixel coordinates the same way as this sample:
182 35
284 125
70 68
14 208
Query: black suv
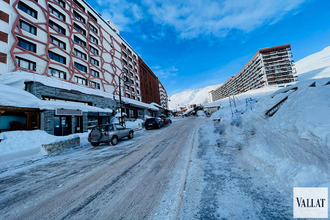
153 123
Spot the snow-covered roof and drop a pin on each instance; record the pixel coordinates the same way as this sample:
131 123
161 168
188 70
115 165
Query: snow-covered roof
137 103
15 97
18 79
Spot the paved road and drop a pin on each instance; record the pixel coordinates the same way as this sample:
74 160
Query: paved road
126 181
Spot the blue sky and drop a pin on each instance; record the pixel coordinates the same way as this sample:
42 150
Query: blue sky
196 43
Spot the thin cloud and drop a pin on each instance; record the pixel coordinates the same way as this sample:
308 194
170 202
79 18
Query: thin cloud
165 73
194 18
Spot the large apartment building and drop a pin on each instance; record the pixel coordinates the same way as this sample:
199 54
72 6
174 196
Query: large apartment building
67 41
269 66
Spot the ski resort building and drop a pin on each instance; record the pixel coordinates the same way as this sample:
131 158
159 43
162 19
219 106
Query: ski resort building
163 96
68 41
269 66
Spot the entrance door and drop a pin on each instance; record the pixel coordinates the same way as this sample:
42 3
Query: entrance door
78 125
62 125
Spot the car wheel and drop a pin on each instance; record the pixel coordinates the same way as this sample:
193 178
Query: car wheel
96 144
130 135
114 140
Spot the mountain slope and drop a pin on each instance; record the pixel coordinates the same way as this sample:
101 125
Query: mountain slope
314 66
191 96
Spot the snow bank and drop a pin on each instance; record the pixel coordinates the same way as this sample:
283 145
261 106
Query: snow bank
292 146
135 125
19 141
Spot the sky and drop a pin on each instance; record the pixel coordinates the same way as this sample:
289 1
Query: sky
196 43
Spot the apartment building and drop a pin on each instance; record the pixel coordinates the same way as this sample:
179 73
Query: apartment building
69 41
269 66
163 96
149 84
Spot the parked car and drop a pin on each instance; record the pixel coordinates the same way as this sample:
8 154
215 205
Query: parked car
166 120
153 123
109 133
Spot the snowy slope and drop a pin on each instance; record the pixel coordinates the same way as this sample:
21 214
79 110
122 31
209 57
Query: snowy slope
191 96
314 66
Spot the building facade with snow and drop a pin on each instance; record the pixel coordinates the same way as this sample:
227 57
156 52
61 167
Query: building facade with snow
70 42
269 66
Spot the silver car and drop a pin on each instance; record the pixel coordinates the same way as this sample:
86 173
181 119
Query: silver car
110 133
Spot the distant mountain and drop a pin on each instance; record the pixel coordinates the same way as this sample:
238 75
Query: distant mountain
316 65
191 96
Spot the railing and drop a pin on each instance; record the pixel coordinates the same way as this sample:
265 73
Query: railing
276 107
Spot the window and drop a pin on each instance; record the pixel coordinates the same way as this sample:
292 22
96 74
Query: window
28 27
57 73
79 5
130 66
139 99
137 84
132 82
92 16
94 39
130 58
94 29
131 73
95 73
79 17
80 80
135 70
133 97
57 27
94 50
56 13
132 89
80 67
27 9
79 41
95 85
125 70
128 95
26 45
137 77
123 46
61 3
80 29
80 54
94 61
126 87
137 91
57 57
125 55
58 42
26 64
125 62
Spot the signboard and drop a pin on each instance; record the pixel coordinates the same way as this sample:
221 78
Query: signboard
62 111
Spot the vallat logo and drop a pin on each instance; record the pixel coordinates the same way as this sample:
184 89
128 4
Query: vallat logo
310 202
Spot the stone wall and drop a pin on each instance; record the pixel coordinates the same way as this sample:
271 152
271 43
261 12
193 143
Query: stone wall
61 145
